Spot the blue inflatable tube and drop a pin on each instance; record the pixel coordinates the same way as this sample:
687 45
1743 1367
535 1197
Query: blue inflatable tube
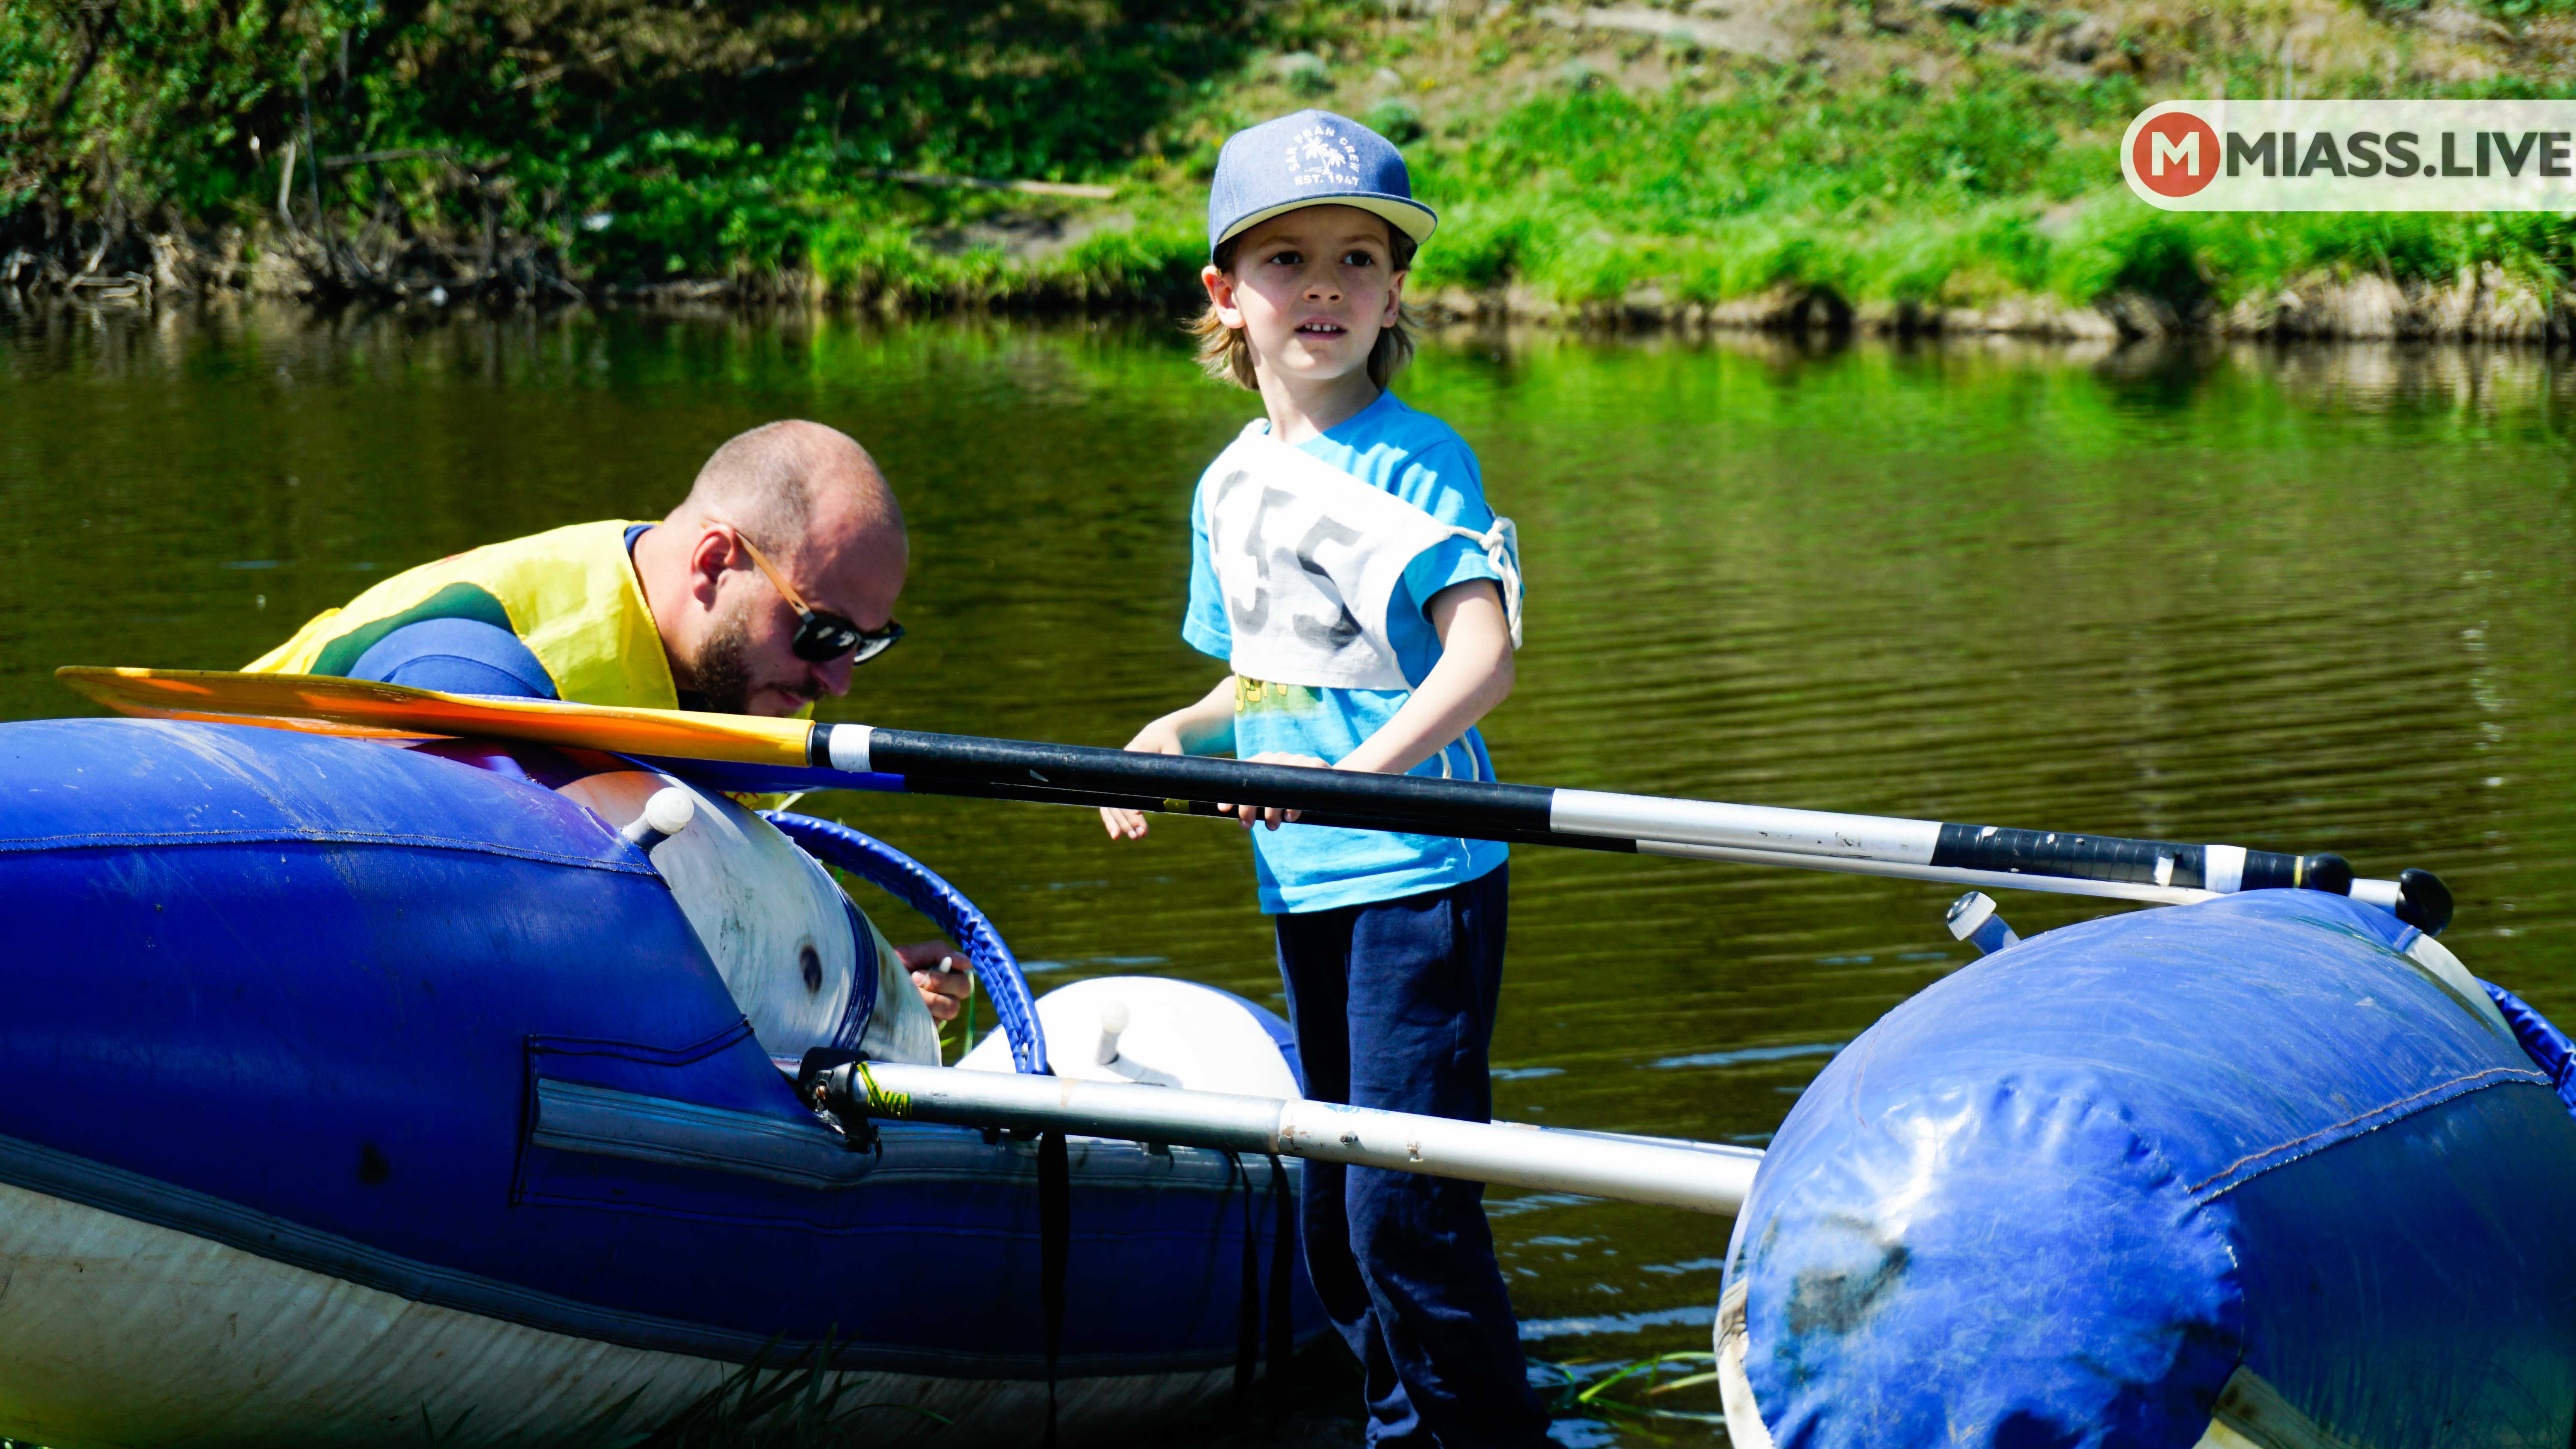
324 1052
2238 1163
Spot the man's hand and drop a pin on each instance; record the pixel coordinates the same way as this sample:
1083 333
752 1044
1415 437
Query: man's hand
939 973
1273 815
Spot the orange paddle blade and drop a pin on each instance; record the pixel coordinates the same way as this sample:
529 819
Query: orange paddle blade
353 706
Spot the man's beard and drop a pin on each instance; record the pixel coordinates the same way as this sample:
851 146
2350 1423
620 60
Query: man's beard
723 667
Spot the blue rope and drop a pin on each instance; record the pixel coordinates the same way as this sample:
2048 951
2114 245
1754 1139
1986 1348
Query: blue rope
2547 1046
913 883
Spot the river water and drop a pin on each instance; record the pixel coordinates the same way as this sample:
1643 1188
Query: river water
2301 600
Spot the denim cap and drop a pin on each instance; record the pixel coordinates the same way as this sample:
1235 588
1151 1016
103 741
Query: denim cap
1313 158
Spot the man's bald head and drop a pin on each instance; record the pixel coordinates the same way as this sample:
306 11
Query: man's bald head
784 481
812 501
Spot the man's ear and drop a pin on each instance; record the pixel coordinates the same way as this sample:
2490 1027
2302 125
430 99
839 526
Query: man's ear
1220 290
710 558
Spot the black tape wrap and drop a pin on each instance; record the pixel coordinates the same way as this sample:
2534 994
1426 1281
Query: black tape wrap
2269 870
2059 853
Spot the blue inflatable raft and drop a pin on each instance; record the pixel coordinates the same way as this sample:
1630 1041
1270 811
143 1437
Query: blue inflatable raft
2269 1170
351 1092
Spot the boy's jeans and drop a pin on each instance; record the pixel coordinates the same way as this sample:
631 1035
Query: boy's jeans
1393 1003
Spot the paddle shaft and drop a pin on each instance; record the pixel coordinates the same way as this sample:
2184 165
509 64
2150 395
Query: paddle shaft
1705 1177
1528 814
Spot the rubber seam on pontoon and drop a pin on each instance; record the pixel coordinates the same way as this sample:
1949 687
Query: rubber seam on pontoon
2255 1164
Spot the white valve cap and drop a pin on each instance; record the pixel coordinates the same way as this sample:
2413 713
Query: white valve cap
1113 1022
666 814
1973 920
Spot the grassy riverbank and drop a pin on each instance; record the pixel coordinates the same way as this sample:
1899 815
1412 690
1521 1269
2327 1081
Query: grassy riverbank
1902 163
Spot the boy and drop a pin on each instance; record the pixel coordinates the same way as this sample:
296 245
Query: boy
1346 567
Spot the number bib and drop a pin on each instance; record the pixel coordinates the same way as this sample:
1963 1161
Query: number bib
1308 558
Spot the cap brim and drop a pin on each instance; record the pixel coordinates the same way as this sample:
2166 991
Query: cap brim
1410 217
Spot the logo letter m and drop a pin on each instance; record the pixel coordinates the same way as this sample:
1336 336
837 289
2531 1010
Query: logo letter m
2162 148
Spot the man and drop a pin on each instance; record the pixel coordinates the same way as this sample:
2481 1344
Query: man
759 594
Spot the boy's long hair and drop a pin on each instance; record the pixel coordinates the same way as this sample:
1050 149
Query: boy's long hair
1226 354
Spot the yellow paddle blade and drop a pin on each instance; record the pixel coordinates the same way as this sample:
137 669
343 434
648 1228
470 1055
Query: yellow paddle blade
353 706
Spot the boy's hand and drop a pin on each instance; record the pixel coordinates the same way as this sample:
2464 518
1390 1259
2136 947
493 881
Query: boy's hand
1158 738
1271 815
939 973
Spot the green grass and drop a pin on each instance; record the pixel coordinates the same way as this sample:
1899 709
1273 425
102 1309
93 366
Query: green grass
1887 196
632 142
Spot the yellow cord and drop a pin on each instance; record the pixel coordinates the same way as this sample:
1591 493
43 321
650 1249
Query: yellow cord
882 1103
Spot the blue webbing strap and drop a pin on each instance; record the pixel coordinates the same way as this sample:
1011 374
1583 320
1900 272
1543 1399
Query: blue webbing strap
914 884
2542 1041
1055 1247
1247 1305
1281 1323
1283 1259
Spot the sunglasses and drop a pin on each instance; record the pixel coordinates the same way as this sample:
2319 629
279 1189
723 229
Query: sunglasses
820 636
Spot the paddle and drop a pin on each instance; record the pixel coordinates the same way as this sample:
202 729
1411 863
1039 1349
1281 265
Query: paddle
797 754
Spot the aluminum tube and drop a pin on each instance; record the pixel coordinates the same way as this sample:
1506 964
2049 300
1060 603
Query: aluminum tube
1025 1103
1700 1176
1750 827
1998 879
1704 1177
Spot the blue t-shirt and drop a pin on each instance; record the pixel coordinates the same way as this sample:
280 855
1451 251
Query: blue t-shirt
456 656
1423 461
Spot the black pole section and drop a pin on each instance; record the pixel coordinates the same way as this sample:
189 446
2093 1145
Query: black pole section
2114 857
1164 805
1441 807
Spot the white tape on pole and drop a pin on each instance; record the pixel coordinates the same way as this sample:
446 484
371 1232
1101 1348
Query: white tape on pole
848 744
2222 868
1749 827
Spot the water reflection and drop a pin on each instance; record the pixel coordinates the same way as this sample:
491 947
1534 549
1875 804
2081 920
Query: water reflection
2312 599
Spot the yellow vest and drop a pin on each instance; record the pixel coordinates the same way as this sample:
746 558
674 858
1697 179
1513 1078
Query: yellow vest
569 594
